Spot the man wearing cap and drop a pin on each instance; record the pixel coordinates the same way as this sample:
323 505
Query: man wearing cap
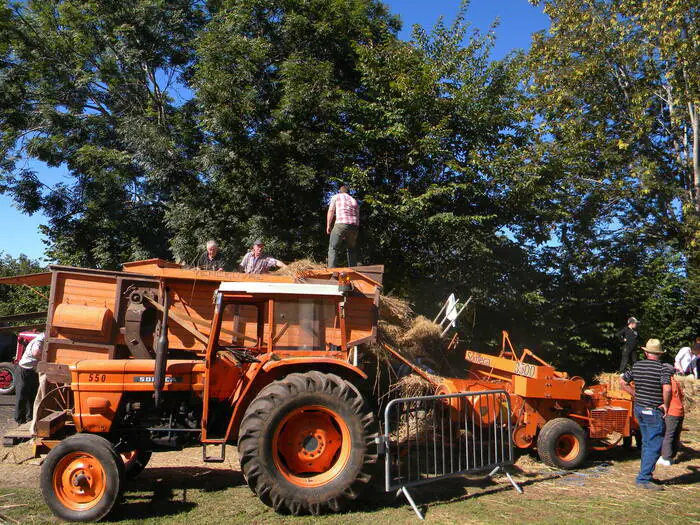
629 336
256 262
652 398
346 212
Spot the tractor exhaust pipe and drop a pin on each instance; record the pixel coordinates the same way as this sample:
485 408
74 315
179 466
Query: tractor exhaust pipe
161 353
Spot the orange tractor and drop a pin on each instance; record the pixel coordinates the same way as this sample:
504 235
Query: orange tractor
159 357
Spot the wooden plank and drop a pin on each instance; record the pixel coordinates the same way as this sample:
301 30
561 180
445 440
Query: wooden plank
49 425
22 317
17 435
55 372
32 279
23 327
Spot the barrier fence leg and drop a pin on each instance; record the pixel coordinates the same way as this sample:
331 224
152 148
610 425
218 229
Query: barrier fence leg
512 481
405 492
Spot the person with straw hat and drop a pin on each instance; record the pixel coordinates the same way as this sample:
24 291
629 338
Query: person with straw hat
652 397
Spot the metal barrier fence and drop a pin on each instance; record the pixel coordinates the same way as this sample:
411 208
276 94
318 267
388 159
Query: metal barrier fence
430 438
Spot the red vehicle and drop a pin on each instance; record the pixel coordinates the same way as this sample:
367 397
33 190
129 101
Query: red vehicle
7 369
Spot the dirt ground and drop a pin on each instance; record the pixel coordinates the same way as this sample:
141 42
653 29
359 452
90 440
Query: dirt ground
177 487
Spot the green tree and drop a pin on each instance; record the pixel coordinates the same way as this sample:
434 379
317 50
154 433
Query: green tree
92 86
430 134
19 299
615 87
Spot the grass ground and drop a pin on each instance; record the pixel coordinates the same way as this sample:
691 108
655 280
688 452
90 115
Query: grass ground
178 489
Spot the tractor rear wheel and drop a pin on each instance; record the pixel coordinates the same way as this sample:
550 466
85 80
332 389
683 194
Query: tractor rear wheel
135 461
82 478
7 378
562 443
306 444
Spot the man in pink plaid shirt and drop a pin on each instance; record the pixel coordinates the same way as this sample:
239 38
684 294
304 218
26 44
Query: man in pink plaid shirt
346 212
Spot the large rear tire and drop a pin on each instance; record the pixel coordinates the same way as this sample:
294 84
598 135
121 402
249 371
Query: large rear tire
306 444
82 478
7 378
562 443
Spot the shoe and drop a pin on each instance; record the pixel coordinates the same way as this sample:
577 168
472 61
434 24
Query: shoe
665 462
650 486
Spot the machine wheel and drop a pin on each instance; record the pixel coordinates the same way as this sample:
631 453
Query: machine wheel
7 378
306 443
82 478
562 443
135 461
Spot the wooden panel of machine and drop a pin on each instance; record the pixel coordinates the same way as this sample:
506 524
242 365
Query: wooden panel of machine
360 319
67 354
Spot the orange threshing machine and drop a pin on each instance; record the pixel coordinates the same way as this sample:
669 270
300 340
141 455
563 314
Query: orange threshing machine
558 414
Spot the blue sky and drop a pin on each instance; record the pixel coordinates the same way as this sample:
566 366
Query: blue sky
19 233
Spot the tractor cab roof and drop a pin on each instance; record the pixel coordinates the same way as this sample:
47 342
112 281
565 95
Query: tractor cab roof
273 288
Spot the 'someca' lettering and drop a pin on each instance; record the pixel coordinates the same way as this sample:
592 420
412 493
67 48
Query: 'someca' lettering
477 358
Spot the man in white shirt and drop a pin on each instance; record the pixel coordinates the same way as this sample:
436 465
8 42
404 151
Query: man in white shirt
686 361
28 380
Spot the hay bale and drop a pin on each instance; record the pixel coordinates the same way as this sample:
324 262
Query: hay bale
395 311
690 385
412 385
423 339
301 268
388 333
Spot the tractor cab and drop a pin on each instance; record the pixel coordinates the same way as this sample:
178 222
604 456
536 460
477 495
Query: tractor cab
260 329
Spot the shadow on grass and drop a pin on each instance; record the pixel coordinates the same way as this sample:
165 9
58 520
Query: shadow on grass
689 478
448 491
153 493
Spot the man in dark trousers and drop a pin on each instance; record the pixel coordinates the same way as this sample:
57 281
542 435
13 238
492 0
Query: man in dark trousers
28 380
342 224
629 337
652 398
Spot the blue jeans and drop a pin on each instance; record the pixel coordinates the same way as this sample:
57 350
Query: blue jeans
652 427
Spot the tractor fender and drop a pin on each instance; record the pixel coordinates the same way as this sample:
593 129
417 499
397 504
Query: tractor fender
273 370
313 362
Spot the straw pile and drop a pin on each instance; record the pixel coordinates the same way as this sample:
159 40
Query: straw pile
690 385
416 337
17 454
412 385
299 269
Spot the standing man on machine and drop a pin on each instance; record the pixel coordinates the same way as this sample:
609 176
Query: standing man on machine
346 212
652 398
629 337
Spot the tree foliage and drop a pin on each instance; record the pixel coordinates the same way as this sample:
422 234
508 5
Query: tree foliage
615 85
91 86
559 187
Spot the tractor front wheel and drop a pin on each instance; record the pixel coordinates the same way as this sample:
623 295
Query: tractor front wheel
7 378
82 478
306 443
562 443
